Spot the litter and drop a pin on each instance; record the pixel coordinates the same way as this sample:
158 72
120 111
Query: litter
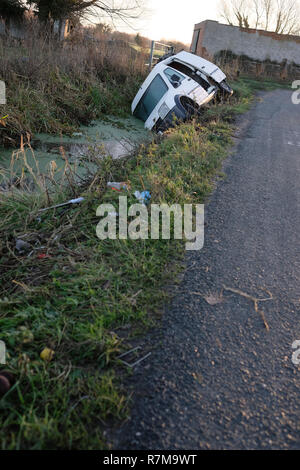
72 201
135 363
43 256
129 352
22 246
4 385
6 382
117 186
47 354
144 197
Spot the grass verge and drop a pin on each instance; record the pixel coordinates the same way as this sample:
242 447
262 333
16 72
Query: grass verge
84 298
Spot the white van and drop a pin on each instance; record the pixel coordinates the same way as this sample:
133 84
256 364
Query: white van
177 86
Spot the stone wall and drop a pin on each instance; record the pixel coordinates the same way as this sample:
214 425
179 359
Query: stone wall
257 51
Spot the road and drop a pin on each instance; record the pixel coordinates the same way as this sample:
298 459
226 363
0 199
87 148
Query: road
217 378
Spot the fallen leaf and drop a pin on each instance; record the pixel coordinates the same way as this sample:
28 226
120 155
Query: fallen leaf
47 354
214 299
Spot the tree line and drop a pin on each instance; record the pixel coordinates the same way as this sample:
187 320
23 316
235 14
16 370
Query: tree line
279 16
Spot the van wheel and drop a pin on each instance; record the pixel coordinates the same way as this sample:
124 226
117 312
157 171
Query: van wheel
191 108
225 89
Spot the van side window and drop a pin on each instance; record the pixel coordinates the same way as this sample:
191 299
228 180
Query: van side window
174 77
154 93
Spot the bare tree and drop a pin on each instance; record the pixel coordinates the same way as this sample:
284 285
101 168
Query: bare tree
234 11
267 12
287 17
115 9
280 16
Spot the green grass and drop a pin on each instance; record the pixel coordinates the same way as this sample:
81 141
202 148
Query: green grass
89 298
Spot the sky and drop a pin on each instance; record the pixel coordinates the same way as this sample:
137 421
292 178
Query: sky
175 19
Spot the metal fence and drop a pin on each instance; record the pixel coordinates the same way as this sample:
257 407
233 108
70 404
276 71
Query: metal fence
157 51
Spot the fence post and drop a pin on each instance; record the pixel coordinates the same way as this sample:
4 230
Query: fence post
151 55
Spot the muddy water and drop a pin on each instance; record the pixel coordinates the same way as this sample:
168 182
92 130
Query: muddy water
116 137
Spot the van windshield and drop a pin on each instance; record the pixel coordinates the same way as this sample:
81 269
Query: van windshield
174 77
154 93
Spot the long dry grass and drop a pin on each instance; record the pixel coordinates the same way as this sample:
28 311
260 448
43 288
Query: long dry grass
54 87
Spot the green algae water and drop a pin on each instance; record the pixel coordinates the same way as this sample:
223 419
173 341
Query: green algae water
116 137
